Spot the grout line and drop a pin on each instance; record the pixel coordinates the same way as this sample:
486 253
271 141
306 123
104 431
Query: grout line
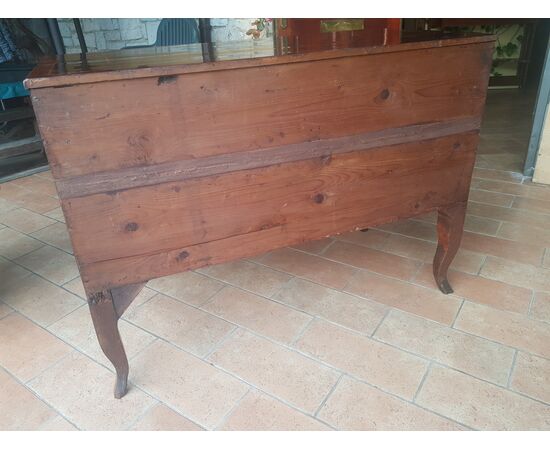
329 393
231 410
37 396
377 327
302 332
421 384
512 367
452 325
218 344
484 260
143 414
531 304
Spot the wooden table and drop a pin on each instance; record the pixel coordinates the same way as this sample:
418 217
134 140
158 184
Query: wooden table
175 158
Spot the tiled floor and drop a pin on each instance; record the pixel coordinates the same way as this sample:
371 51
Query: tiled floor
344 333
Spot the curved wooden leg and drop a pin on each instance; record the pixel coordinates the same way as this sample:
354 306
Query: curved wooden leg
450 225
106 307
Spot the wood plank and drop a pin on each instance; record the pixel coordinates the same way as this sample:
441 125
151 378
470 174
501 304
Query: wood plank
306 199
98 67
181 170
141 122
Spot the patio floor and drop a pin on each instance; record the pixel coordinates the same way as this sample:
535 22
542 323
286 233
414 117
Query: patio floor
344 333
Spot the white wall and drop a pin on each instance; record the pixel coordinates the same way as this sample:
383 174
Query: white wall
113 34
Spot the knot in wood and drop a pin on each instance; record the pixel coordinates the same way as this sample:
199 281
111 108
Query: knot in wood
131 226
319 198
384 94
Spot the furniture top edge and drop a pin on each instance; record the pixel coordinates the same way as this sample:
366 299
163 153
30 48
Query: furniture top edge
47 74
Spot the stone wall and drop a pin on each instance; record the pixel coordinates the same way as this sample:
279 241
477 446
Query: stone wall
113 34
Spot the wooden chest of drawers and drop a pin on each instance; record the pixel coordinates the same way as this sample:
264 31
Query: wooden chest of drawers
171 159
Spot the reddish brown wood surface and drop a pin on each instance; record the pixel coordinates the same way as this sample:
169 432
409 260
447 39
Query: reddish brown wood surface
214 113
154 231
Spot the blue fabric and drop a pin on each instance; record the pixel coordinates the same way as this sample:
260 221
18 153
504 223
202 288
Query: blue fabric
11 90
8 51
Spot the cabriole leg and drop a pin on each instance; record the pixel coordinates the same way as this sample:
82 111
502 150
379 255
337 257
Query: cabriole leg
450 225
106 307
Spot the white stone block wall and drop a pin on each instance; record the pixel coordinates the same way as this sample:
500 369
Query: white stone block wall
114 34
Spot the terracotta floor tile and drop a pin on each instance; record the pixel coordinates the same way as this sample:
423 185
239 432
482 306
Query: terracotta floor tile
531 377
264 364
162 418
55 235
6 205
481 225
189 287
491 198
259 412
381 365
246 275
40 300
37 184
373 260
464 261
473 224
186 327
531 204
14 244
51 263
47 174
372 238
505 327
144 296
479 357
10 191
525 234
315 247
498 175
540 309
314 268
418 300
536 192
82 390
412 228
502 248
546 259
509 214
347 310
524 275
77 329
58 423
4 310
56 214
76 287
356 406
482 290
37 202
479 404
26 349
258 314
20 409
24 220
187 384
12 276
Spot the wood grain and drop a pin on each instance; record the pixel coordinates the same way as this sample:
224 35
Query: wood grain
139 122
120 179
284 204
